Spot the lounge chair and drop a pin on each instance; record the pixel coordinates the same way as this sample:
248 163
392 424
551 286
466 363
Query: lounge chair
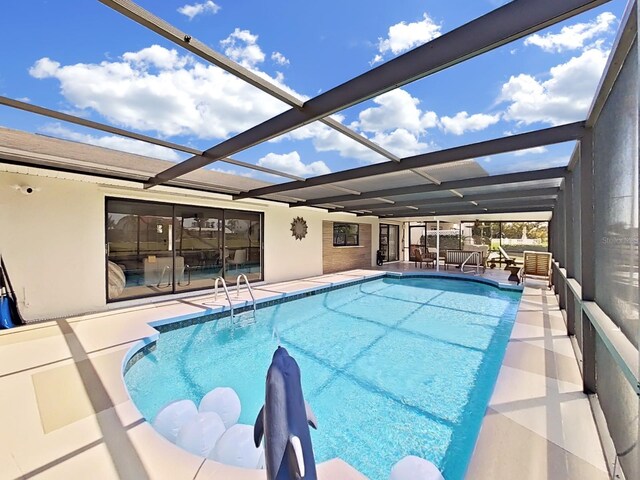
537 264
508 261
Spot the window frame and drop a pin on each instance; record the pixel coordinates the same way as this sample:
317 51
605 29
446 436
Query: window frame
345 243
173 207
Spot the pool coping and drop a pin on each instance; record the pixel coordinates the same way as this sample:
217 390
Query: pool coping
105 342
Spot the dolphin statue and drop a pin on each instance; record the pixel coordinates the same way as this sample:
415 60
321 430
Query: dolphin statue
284 421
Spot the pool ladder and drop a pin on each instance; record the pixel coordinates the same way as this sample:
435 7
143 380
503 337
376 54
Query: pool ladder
236 319
478 262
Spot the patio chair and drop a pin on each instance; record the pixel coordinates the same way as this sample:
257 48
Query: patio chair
239 258
428 258
537 264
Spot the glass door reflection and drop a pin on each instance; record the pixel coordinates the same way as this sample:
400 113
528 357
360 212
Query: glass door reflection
199 253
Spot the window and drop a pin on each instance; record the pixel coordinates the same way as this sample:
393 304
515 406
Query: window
346 234
155 248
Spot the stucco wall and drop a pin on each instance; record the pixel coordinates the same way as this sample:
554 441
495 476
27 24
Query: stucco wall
52 243
287 258
53 240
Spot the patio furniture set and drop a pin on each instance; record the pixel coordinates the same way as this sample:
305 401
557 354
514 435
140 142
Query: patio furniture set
534 264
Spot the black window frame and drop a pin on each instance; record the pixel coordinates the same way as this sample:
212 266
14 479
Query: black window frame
385 251
173 206
346 236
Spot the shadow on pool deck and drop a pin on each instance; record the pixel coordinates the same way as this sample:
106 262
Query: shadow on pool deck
526 433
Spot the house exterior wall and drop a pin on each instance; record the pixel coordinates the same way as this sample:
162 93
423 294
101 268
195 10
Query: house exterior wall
53 240
337 259
287 258
52 243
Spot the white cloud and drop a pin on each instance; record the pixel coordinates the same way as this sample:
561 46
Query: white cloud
397 109
242 47
196 9
44 68
279 58
404 36
396 124
506 164
462 122
113 142
573 37
157 56
184 97
529 151
326 139
291 163
564 97
402 143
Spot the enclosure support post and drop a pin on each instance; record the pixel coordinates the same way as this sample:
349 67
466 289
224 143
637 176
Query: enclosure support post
587 238
437 245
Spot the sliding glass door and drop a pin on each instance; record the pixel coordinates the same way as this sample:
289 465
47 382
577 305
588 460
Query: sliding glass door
243 245
155 248
139 249
389 242
198 246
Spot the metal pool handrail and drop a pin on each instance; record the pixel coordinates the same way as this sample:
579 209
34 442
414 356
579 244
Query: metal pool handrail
226 291
253 298
468 258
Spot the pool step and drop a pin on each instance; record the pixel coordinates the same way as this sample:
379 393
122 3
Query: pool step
244 319
236 319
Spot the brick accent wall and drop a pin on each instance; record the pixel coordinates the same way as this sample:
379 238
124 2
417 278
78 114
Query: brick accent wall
338 259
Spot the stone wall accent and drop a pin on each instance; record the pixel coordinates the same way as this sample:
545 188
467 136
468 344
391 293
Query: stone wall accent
339 259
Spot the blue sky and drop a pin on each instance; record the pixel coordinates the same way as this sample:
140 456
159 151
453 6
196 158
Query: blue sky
81 57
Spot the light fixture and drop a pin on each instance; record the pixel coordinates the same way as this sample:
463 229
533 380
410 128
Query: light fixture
26 189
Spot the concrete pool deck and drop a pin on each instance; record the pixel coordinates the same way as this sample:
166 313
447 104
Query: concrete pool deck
67 413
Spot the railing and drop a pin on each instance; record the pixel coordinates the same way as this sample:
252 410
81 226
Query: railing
187 268
619 347
226 291
164 270
478 261
167 268
249 289
235 318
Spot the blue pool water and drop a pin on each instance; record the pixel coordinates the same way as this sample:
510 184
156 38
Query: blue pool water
391 367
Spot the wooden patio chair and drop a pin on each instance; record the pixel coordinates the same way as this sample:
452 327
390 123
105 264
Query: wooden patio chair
537 264
429 257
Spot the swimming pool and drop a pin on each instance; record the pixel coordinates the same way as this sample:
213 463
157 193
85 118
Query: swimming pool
392 367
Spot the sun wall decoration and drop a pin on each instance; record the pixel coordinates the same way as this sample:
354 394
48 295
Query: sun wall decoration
299 228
